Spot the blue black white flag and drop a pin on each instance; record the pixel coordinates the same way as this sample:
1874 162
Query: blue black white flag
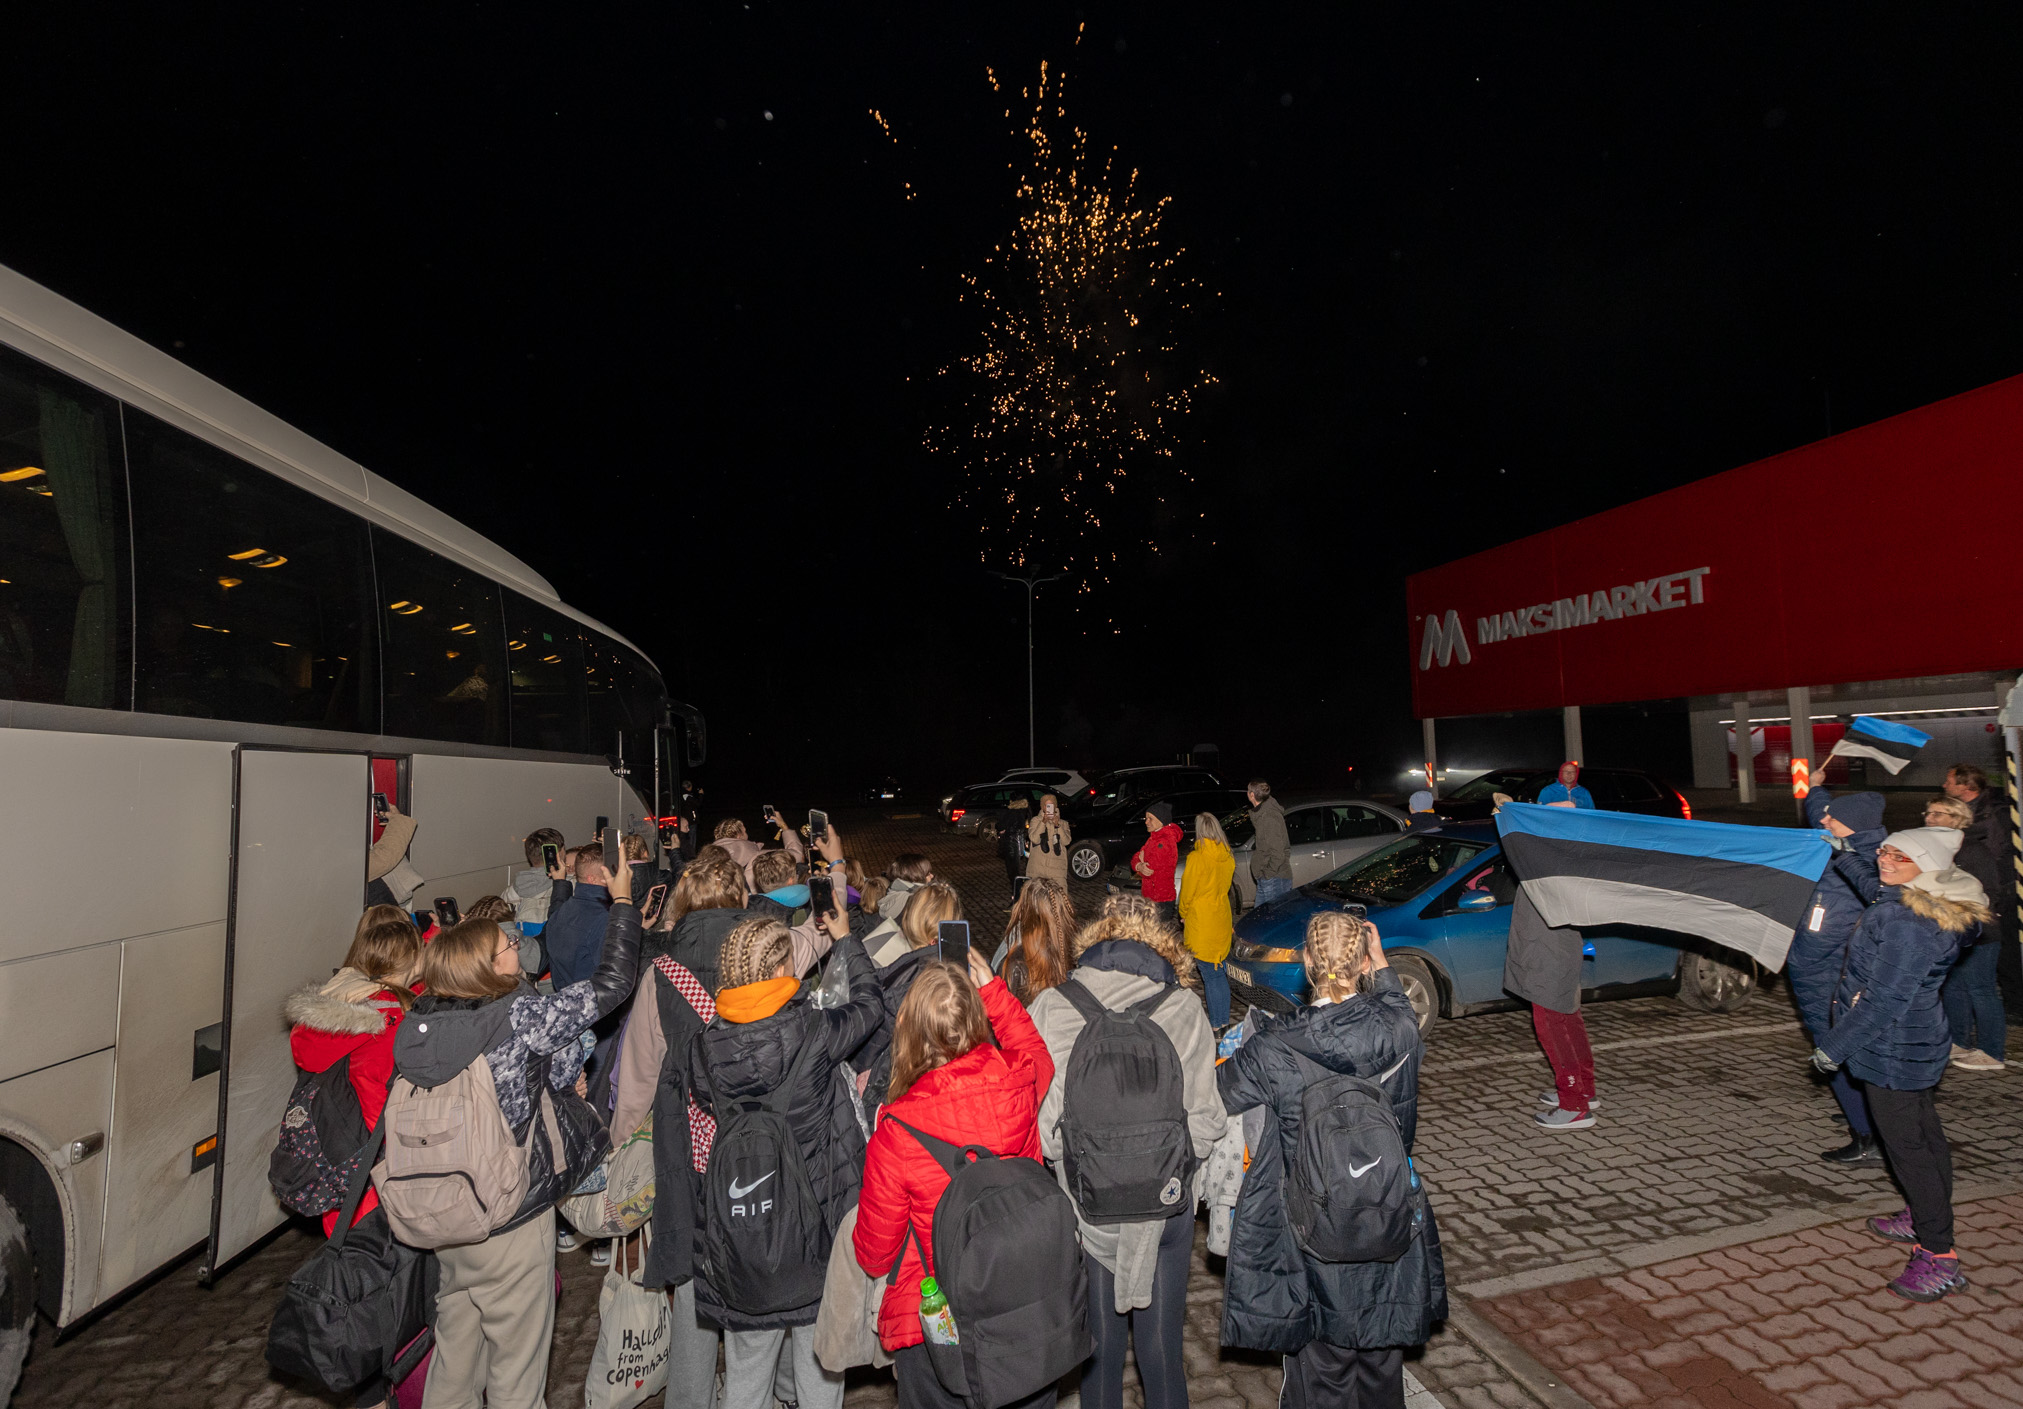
1743 887
1885 740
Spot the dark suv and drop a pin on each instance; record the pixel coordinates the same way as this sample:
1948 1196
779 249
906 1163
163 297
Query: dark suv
984 807
1121 787
1613 789
1107 838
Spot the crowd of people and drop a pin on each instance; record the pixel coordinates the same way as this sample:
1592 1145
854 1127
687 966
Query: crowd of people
872 1142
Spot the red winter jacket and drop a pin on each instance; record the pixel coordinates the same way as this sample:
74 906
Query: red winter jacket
1162 853
350 1016
984 1097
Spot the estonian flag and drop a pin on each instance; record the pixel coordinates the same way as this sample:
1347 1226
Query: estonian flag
1887 742
1745 887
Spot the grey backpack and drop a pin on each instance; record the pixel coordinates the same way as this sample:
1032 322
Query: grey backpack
453 1173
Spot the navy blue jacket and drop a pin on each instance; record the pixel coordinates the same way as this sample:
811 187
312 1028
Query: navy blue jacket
1846 889
1889 1028
575 934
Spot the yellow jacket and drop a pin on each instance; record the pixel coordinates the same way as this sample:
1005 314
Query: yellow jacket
1204 900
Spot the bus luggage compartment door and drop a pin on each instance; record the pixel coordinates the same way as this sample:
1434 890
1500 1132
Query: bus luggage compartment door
299 847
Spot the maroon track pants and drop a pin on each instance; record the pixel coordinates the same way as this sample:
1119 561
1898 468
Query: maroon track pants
1564 1038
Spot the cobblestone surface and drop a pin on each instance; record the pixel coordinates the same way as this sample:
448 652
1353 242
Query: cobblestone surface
1798 1321
1709 1136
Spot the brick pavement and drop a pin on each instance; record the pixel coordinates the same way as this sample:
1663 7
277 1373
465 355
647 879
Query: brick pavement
1796 1322
1708 1141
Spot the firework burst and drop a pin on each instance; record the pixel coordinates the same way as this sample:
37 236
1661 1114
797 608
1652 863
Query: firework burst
1074 398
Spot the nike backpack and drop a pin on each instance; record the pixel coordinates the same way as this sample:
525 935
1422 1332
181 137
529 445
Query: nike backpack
1125 1144
1350 1194
765 1238
323 1137
1007 1256
453 1173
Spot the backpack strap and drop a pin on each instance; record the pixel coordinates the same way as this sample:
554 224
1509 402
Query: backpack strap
360 1177
1085 1002
1146 1007
950 1157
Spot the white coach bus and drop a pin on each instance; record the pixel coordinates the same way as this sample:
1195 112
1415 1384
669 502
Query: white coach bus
217 639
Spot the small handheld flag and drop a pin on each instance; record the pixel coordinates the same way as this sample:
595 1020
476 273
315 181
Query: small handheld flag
1743 887
1885 740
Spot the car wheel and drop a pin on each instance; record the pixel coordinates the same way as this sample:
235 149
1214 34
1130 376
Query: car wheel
1713 985
1085 861
17 1298
1420 986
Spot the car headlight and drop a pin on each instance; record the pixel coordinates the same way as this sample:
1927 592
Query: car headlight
1260 954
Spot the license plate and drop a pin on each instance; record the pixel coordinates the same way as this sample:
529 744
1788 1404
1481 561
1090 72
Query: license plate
1240 975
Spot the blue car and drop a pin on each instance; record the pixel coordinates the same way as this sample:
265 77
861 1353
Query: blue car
1441 900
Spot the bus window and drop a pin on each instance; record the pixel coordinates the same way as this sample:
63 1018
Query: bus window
625 696
251 594
63 596
445 645
545 660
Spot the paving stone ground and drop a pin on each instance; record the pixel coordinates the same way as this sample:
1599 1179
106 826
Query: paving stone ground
1706 1154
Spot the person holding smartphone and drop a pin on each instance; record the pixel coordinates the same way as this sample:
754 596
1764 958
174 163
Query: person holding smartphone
1047 838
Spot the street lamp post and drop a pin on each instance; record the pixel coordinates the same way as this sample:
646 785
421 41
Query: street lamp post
1031 584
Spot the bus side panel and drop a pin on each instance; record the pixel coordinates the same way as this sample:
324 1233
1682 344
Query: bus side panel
46 1110
156 1207
108 837
303 824
57 1007
472 816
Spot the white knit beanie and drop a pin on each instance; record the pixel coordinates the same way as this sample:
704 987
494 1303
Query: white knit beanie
1931 848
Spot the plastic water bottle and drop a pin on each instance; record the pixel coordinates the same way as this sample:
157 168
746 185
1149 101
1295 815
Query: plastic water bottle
935 1318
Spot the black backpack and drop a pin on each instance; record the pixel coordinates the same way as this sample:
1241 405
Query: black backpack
1350 1193
1007 1257
765 1239
323 1139
1125 1143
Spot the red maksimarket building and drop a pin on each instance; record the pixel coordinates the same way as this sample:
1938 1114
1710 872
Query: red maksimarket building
1873 572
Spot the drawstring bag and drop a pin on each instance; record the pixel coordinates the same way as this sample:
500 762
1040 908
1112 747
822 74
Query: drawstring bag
634 1334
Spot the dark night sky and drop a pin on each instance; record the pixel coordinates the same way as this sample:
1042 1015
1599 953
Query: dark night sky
1480 270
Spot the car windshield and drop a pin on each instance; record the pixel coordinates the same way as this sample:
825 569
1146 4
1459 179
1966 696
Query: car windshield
1485 788
1111 786
1236 826
1393 874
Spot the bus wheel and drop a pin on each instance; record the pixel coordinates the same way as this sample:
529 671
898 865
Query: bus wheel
17 1298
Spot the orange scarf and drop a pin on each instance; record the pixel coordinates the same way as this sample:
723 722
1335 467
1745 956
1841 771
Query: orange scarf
749 1002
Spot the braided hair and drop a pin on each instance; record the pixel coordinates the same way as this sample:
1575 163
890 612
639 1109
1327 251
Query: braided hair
1337 951
753 950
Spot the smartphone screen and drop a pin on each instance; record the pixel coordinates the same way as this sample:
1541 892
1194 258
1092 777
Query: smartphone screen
379 803
818 825
821 895
551 855
602 823
650 912
614 850
447 913
768 811
955 943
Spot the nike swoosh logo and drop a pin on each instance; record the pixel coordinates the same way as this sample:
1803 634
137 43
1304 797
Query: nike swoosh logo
1355 1173
738 1193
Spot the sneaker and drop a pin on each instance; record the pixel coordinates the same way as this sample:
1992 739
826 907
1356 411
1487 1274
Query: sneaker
1971 1060
1957 1052
600 1254
1551 1098
1927 1278
1894 1226
565 1241
1557 1119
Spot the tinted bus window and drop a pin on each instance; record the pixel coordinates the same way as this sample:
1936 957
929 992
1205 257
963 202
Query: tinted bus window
252 595
63 593
624 699
545 660
445 645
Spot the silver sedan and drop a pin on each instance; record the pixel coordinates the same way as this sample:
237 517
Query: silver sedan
1325 832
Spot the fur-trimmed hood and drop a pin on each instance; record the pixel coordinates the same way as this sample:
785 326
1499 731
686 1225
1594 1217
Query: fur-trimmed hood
1950 899
345 1004
1145 928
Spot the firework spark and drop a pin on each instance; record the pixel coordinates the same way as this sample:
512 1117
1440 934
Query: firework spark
1074 397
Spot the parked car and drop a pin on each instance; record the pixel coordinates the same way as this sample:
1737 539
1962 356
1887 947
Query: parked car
1122 787
1065 782
1325 832
1442 900
1110 837
986 807
886 789
1613 789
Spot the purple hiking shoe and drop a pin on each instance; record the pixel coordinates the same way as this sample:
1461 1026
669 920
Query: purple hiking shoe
1928 1278
1894 1226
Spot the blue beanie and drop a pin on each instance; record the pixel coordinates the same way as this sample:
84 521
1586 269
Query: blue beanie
1858 812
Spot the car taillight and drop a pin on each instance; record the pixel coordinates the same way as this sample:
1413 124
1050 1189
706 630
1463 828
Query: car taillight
955 814
1685 807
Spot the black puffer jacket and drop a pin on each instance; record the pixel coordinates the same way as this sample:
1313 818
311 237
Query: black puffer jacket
698 942
732 1061
1275 1297
875 1056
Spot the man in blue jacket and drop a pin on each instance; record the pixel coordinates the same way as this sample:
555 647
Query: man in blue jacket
1567 792
1819 946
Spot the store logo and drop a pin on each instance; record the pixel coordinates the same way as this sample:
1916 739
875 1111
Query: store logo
1447 639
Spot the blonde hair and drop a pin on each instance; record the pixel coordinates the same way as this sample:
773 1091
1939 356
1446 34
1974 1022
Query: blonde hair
1338 947
490 907
716 884
874 889
752 951
386 948
730 829
940 1018
1135 918
1962 814
634 847
461 962
773 869
925 909
1209 827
